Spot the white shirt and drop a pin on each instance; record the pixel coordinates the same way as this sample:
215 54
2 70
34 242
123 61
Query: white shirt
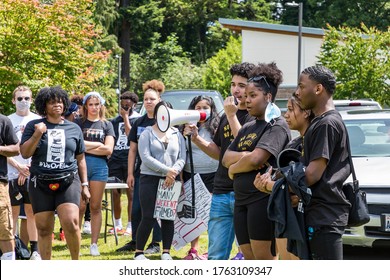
19 123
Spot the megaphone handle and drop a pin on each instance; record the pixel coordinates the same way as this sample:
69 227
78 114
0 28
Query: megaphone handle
192 175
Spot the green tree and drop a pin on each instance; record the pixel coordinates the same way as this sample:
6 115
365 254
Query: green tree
49 44
360 61
351 13
217 75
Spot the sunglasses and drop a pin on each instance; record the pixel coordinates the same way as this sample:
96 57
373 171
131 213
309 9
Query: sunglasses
257 79
25 98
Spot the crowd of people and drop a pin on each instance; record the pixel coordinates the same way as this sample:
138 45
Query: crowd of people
68 150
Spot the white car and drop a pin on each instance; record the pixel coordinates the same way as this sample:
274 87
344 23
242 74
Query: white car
369 133
357 104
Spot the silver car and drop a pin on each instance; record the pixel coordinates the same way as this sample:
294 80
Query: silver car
369 133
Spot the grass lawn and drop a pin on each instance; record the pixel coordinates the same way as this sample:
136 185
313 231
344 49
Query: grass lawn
107 250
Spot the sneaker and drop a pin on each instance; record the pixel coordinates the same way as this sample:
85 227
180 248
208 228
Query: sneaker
128 247
94 250
119 231
35 256
127 232
141 257
238 257
153 248
192 254
87 227
166 257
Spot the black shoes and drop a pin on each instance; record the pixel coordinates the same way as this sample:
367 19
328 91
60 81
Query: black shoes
128 247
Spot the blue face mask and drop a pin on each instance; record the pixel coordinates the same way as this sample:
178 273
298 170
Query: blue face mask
272 112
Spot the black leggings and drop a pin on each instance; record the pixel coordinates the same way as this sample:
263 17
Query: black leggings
147 196
326 242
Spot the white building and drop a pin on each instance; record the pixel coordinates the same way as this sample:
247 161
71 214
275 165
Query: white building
266 42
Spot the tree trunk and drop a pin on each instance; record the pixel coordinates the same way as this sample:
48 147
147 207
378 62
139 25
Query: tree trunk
124 43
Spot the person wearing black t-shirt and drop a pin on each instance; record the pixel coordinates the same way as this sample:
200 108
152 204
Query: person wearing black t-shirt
222 200
152 92
297 119
99 143
56 147
325 154
117 164
256 146
8 147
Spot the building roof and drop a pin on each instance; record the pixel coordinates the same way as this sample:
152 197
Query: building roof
239 25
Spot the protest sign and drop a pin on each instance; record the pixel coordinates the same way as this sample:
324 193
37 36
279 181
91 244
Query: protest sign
166 201
187 228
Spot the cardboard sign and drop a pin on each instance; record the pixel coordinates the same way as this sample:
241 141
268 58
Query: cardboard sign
166 201
187 228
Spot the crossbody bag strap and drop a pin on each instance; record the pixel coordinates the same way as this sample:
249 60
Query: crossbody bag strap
355 180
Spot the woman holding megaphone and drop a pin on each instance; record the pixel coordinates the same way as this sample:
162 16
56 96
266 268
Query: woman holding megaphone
201 163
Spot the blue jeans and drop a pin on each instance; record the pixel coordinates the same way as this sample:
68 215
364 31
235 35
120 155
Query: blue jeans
221 226
136 215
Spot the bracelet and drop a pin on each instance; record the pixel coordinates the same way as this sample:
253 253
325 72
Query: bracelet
85 184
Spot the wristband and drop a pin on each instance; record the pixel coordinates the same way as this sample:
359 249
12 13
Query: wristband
85 184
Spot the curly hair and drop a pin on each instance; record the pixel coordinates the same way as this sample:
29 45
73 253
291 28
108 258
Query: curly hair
241 69
154 85
48 94
211 124
78 99
273 77
323 76
130 95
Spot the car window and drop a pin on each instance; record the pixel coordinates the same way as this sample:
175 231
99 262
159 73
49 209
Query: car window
182 101
369 138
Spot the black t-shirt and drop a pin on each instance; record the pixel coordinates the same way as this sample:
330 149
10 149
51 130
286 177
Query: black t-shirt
138 127
222 138
257 134
95 131
326 138
122 144
7 137
57 149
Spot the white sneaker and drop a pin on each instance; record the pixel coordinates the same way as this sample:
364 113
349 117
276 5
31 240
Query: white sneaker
166 257
94 250
141 258
87 227
127 231
35 256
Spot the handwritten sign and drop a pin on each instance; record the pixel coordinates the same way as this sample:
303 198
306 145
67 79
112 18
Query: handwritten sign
187 228
166 201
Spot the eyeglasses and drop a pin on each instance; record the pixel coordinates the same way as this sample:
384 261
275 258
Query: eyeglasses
257 79
25 98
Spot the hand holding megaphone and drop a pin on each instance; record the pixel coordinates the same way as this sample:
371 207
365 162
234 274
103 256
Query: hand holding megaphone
166 117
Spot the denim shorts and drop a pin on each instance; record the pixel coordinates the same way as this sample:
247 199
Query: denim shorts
97 168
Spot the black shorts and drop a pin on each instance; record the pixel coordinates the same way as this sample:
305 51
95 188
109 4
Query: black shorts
42 201
251 222
118 169
18 194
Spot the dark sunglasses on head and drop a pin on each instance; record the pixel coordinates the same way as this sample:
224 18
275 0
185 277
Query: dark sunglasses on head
25 98
257 79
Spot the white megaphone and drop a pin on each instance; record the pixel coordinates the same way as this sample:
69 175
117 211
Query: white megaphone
167 117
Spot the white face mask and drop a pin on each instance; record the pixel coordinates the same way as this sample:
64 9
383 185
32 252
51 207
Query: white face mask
208 113
23 105
272 112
